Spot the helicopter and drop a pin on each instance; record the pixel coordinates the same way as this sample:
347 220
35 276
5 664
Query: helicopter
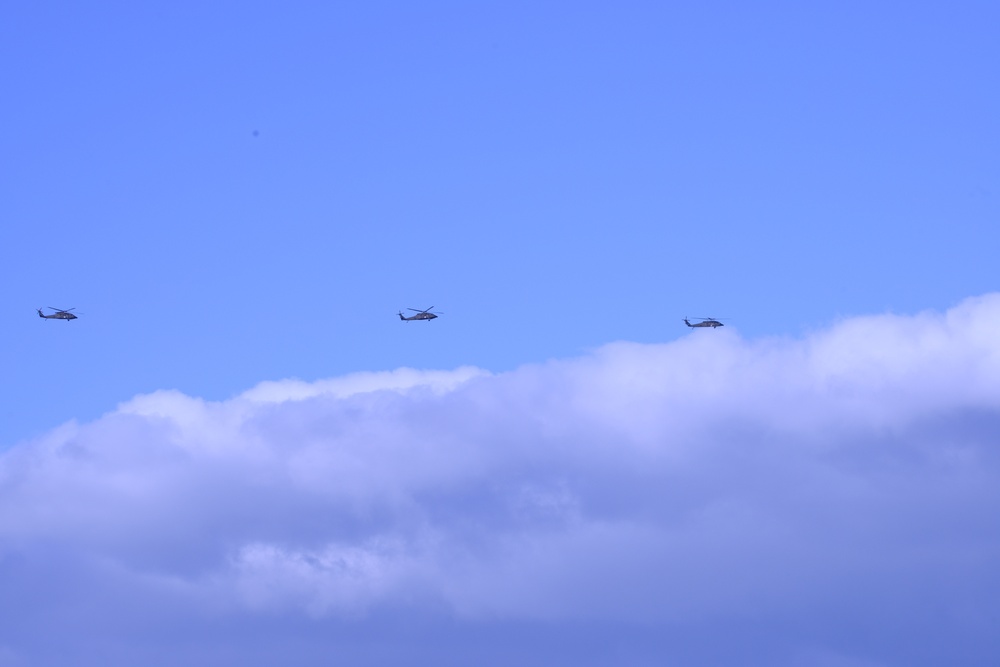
58 315
705 322
420 315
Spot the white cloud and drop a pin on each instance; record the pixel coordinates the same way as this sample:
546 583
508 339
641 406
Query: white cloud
342 578
850 475
439 382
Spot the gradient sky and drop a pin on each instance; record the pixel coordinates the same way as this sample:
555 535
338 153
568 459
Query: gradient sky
230 446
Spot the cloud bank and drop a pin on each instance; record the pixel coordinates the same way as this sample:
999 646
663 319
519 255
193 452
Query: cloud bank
831 500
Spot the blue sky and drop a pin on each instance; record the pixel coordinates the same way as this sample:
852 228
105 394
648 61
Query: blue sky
552 177
235 194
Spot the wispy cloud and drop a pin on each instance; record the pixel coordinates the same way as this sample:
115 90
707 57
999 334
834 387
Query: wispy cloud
806 488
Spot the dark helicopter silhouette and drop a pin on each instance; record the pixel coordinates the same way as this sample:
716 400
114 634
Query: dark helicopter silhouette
705 322
58 315
420 315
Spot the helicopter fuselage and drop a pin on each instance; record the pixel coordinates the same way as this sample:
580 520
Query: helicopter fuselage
58 315
420 315
704 323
